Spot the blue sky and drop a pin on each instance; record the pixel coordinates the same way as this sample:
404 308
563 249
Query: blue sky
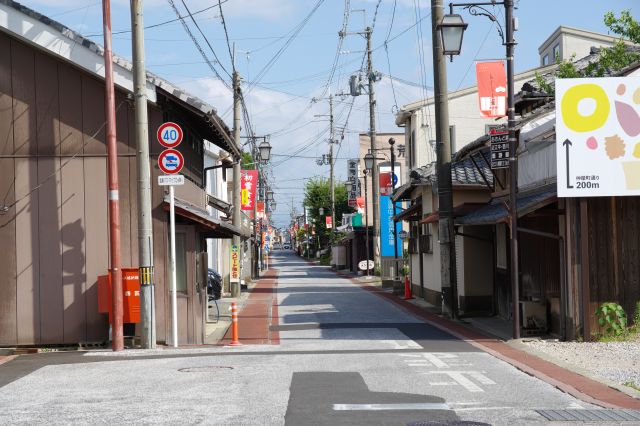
282 74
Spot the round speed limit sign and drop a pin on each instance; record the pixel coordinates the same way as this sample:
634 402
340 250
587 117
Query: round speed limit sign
169 135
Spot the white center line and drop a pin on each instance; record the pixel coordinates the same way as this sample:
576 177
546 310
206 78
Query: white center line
400 406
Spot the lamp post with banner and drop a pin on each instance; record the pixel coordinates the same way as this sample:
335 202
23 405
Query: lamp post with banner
452 29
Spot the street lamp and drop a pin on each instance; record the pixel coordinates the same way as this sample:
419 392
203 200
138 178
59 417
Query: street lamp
454 28
368 161
265 150
451 31
366 213
269 195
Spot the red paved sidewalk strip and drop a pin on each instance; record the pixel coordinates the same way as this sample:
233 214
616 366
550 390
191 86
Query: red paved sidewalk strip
579 386
6 358
258 313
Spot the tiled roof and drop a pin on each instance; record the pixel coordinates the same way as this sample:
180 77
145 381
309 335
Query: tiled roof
463 172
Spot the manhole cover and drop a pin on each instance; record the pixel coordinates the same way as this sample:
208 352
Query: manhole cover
206 369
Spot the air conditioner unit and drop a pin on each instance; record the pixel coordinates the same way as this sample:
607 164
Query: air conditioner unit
533 315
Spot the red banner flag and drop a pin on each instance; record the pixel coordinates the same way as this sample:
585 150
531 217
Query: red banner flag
248 188
492 88
328 221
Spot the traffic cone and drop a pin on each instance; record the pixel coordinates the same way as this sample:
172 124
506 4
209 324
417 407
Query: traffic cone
407 288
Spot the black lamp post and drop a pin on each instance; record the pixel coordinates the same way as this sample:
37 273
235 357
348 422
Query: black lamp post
452 29
366 211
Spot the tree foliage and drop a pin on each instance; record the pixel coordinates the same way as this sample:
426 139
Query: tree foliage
317 195
247 161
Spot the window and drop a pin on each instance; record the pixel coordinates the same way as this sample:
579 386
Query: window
545 60
556 53
426 239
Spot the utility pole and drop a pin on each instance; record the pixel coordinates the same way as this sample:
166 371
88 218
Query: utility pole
443 166
513 170
372 135
331 163
257 229
145 230
117 336
237 220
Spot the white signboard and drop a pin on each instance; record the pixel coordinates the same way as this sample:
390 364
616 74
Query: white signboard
598 136
363 265
165 180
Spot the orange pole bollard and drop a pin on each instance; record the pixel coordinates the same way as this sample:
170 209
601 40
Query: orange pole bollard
407 288
234 325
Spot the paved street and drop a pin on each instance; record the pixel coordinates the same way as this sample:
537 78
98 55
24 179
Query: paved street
345 356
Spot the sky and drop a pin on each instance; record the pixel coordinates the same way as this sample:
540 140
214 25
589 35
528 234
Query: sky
291 58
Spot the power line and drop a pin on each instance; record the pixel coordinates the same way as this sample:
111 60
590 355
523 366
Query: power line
226 35
206 39
159 24
195 42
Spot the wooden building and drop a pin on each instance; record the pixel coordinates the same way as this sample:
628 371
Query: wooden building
53 211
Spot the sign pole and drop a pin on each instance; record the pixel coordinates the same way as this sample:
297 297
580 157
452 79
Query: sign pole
172 263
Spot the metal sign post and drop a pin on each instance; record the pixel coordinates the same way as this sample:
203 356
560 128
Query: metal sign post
171 162
172 262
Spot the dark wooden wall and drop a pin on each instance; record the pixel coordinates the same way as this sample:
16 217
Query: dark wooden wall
539 259
614 252
54 240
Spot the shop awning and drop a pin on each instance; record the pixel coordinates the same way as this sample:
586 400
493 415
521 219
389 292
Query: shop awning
458 211
496 210
210 226
410 214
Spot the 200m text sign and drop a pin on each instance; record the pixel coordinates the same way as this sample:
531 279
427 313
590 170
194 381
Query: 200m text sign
167 180
170 161
170 135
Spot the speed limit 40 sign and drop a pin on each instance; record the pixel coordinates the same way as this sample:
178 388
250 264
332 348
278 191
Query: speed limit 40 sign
169 135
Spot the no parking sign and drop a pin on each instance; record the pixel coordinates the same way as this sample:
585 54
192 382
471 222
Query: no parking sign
170 161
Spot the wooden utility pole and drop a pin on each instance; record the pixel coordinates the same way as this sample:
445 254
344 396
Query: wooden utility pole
237 219
443 166
372 137
331 163
145 230
117 333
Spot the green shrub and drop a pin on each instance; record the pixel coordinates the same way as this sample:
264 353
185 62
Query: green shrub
612 318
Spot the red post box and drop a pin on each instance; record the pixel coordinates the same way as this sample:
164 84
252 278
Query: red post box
130 293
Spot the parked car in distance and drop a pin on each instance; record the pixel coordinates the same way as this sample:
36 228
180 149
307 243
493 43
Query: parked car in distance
214 285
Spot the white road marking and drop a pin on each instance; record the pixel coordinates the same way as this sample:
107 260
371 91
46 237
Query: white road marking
462 380
400 406
481 378
435 360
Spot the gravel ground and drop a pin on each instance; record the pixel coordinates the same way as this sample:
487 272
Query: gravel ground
615 361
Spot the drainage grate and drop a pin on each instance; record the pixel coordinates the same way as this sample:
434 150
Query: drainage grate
603 415
206 369
448 423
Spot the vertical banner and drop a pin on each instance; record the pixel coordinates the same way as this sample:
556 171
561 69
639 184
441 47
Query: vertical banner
260 210
248 188
235 264
328 222
492 88
387 243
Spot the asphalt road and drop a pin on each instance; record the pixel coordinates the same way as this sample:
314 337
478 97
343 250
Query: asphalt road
346 357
